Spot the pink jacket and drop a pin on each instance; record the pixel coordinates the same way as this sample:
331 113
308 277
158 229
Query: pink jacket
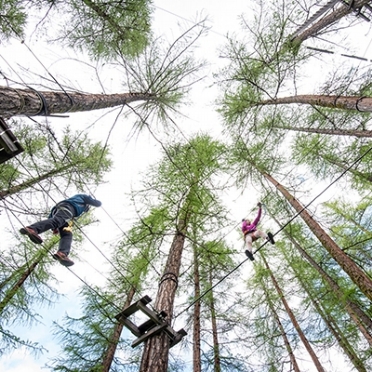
252 227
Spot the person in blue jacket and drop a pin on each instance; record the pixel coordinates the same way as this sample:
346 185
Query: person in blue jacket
60 221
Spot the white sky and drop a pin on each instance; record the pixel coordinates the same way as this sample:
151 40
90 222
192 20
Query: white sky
134 155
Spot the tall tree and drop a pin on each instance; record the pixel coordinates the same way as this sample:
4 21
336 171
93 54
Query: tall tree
32 103
70 158
260 281
361 319
363 104
161 79
103 28
291 315
189 193
319 306
341 11
355 273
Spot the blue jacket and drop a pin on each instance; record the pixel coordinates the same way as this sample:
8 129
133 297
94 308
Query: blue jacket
80 202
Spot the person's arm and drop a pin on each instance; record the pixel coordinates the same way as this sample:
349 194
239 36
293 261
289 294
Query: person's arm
257 219
89 200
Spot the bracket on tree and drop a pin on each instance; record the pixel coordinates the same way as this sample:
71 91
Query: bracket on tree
154 325
9 145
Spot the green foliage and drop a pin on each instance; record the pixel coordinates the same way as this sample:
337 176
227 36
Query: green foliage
86 338
351 229
12 19
109 28
328 156
167 72
72 159
25 281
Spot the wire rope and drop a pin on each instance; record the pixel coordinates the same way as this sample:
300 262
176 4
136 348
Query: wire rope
281 228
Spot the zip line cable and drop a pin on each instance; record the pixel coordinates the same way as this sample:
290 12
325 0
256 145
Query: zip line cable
62 193
66 93
114 266
94 245
84 282
279 230
282 227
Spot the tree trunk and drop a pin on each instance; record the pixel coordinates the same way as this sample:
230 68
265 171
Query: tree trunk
336 332
355 312
341 339
357 275
28 270
15 189
196 322
293 319
108 357
14 102
156 351
336 15
332 132
281 328
216 345
361 175
363 104
12 291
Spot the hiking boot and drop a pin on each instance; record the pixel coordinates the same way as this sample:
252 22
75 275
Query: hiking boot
270 238
249 255
63 259
32 234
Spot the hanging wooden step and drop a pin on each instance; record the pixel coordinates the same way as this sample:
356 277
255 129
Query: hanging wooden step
151 327
9 145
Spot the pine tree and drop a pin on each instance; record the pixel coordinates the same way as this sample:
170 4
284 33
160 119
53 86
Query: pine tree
189 194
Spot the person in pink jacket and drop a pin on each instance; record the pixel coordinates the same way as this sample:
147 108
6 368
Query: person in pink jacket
251 233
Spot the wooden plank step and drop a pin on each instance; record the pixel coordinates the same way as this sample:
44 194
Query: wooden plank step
134 307
151 332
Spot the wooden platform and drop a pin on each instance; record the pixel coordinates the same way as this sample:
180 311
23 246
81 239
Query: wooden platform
154 325
9 145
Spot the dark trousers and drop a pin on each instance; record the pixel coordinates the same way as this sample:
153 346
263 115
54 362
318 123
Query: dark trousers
64 212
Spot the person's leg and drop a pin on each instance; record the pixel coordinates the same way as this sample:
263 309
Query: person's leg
262 234
64 212
64 248
58 220
248 243
65 242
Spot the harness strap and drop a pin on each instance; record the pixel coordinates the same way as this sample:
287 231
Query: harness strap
249 232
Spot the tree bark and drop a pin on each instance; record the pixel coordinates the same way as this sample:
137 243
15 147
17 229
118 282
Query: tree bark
12 291
216 345
108 357
282 330
332 132
29 102
355 312
357 275
196 322
22 186
293 319
156 352
336 332
363 104
336 15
